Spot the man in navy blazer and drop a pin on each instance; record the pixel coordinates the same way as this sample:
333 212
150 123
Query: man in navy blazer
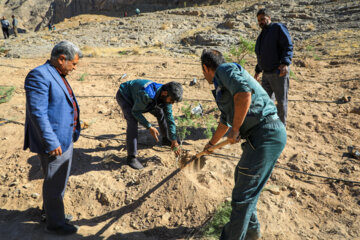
52 125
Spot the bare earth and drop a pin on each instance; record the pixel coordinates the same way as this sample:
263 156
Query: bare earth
109 200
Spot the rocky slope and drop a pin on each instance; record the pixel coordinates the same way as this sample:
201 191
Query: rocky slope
187 30
36 15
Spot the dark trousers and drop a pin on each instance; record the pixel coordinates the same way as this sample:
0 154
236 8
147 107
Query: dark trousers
260 153
279 86
6 32
132 124
56 174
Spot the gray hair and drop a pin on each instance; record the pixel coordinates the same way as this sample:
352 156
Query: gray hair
65 48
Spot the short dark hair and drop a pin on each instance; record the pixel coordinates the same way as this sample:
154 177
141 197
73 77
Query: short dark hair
174 89
212 58
264 11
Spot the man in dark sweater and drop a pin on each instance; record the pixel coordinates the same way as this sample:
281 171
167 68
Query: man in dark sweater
274 51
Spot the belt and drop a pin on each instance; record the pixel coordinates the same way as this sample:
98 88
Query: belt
267 119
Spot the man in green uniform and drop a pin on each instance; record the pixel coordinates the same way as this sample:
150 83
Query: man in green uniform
252 115
140 96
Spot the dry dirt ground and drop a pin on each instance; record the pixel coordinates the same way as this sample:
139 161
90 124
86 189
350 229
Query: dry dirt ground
109 200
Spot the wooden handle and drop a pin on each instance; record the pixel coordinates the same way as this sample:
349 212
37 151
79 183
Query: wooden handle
219 145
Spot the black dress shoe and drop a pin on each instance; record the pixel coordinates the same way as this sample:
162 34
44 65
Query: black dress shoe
65 229
134 162
68 217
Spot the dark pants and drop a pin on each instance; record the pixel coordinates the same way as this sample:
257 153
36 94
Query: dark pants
132 124
6 32
260 153
279 86
56 174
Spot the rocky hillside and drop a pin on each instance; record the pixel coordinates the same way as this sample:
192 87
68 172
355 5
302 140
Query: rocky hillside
186 30
37 14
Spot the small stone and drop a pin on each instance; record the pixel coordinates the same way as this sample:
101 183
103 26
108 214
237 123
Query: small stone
165 218
134 225
101 144
13 184
294 193
272 189
345 170
339 209
35 195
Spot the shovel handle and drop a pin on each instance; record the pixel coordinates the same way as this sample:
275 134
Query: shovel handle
219 145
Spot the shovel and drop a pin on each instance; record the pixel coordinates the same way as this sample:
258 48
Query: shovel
196 160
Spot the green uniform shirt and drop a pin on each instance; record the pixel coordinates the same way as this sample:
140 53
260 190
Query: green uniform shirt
142 95
231 78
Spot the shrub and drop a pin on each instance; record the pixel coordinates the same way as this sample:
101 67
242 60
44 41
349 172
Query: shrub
82 77
6 93
237 53
213 229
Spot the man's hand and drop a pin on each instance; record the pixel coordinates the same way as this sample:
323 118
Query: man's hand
155 133
257 77
175 147
207 146
233 136
56 152
283 70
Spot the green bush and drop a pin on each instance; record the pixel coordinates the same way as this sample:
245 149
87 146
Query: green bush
185 121
82 77
188 120
222 215
292 75
237 53
6 93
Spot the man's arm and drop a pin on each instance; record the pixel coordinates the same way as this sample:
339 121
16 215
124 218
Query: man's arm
37 95
170 121
219 133
286 46
171 128
140 104
242 101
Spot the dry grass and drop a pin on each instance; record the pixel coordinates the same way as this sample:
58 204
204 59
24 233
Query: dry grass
338 43
100 52
164 26
83 18
310 27
107 51
192 32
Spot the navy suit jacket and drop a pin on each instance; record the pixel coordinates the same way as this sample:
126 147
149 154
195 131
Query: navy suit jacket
49 111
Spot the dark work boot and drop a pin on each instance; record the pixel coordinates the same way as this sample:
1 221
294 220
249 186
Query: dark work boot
68 217
134 162
65 229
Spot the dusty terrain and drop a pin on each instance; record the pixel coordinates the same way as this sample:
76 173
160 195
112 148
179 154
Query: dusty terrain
109 200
